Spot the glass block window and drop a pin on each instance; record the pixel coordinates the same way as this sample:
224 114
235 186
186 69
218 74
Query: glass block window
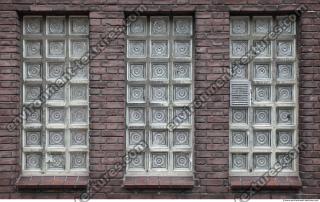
263 94
55 131
159 86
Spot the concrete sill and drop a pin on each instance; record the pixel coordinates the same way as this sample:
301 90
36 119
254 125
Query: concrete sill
246 182
158 182
52 182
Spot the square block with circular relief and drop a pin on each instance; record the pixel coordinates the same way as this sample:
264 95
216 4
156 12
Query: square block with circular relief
285 71
182 49
33 138
159 25
79 48
239 161
32 25
79 137
181 138
136 94
262 25
136 116
136 136
137 26
78 160
56 25
239 138
136 49
284 138
56 49
285 48
159 93
33 70
33 49
182 161
159 71
159 161
159 138
56 138
182 70
262 116
136 71
79 115
261 161
33 161
182 26
239 48
79 25
239 25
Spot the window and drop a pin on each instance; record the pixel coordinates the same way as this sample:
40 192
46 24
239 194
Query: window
159 85
55 128
264 94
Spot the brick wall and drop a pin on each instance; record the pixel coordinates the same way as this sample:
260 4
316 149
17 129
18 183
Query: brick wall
107 93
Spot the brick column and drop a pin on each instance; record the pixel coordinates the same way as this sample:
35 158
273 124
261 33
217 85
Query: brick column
9 100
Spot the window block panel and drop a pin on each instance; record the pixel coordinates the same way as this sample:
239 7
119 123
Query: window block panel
160 88
55 134
263 95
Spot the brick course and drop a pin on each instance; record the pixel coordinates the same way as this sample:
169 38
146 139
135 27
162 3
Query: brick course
107 93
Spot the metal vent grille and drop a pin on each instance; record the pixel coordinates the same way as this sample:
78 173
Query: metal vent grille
240 93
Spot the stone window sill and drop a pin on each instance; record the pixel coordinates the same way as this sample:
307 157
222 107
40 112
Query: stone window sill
245 182
52 182
158 182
